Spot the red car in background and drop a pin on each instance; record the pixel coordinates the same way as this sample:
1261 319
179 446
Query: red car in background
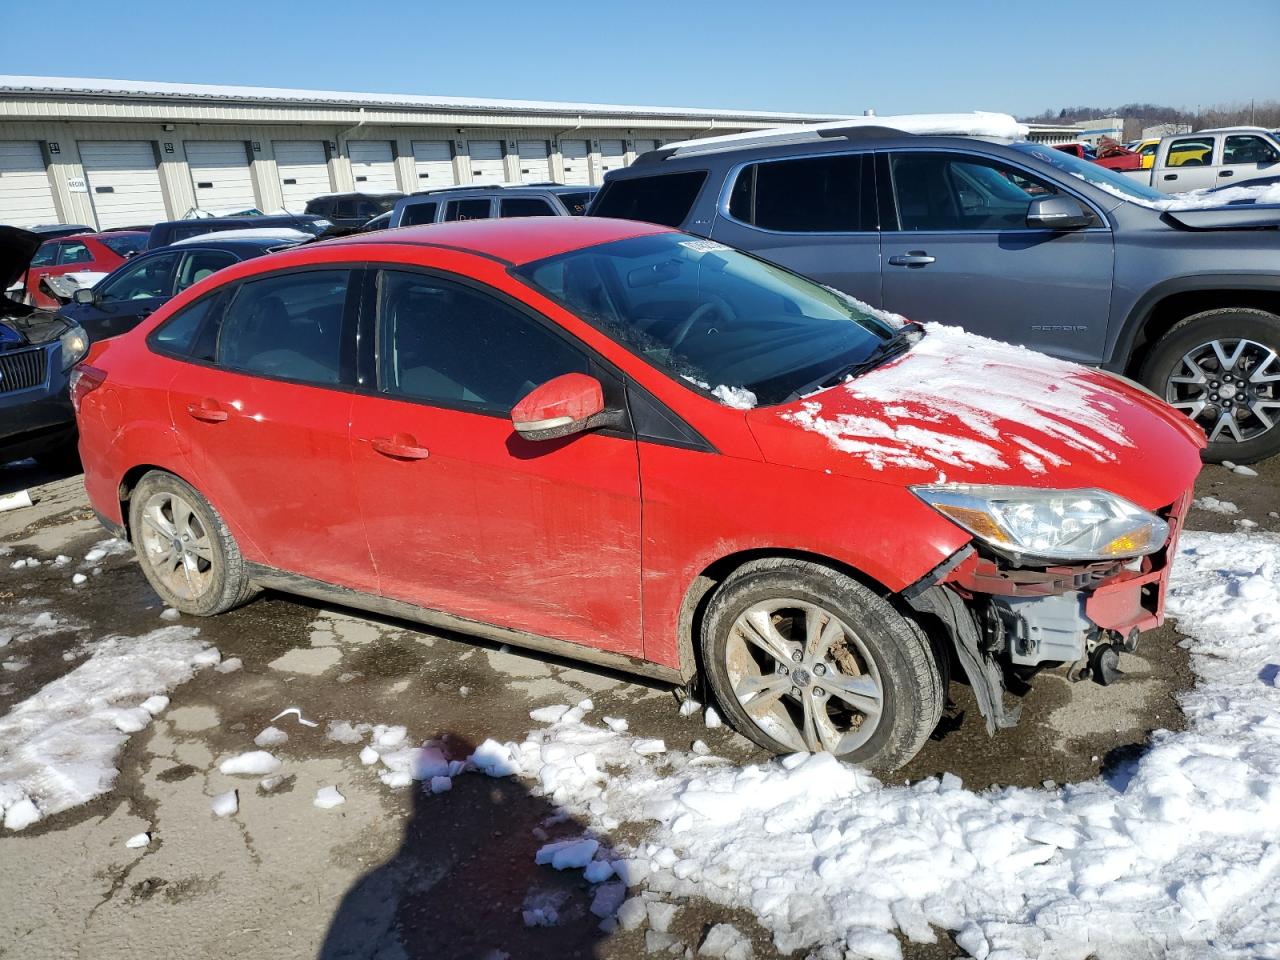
80 253
647 450
1108 154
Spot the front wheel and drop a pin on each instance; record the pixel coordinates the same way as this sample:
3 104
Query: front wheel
186 550
1221 368
802 658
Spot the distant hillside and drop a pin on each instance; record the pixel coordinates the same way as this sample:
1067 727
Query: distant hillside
1261 113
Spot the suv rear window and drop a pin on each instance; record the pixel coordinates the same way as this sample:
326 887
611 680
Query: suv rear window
417 213
808 195
665 199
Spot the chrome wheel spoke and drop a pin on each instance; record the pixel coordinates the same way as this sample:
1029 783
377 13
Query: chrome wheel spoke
1226 421
1228 363
1259 373
819 732
760 693
862 693
756 626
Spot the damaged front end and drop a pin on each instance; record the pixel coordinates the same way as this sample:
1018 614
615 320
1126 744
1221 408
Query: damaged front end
1006 612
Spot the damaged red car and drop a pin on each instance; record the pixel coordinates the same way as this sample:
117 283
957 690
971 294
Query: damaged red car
648 451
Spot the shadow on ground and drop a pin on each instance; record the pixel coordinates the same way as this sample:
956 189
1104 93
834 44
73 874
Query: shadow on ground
460 883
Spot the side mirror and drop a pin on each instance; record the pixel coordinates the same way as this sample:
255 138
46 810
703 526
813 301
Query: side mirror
1057 213
565 405
84 295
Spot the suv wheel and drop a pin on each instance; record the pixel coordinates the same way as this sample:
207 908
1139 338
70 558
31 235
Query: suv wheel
1221 369
186 551
803 658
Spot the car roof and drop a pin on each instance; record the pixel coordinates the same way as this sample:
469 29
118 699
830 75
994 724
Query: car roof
513 241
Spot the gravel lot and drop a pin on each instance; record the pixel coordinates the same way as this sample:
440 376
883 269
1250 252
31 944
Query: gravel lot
402 873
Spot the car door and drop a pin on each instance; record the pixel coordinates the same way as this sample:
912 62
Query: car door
133 292
264 411
462 514
958 250
1246 156
814 215
1191 163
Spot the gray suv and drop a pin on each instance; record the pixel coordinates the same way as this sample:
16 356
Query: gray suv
1010 239
493 200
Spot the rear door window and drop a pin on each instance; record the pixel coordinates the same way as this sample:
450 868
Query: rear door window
288 326
475 209
806 195
418 213
525 207
47 255
198 264
666 199
73 251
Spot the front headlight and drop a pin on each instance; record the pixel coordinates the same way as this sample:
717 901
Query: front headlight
75 344
1056 525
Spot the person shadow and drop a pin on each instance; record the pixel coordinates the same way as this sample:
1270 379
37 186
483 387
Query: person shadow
463 884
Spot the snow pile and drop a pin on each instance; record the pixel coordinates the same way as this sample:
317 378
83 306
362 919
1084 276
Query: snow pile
1214 505
1206 198
978 123
110 547
739 398
58 748
1178 853
956 398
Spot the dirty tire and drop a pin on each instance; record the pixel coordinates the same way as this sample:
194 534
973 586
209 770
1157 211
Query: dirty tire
227 582
1231 324
911 683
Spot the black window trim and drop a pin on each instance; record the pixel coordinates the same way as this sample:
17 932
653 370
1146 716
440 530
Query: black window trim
889 199
348 343
367 374
731 180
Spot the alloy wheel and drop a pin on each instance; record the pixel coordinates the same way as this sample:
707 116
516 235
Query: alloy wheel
1231 387
804 677
177 546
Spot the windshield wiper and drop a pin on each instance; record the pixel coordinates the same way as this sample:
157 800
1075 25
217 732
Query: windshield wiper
900 342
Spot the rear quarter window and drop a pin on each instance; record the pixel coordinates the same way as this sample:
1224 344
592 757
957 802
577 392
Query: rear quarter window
665 199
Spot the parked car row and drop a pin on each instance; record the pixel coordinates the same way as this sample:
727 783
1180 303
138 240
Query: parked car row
1011 239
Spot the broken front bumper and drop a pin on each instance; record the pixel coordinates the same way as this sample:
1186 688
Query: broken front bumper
1073 614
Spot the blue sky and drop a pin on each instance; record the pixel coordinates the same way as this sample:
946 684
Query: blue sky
831 57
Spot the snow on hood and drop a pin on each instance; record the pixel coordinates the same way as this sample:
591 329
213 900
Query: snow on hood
964 408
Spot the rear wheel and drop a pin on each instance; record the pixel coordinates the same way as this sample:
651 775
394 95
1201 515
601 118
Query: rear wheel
803 658
1222 369
186 551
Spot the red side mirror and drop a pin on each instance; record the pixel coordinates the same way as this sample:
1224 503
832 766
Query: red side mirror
565 405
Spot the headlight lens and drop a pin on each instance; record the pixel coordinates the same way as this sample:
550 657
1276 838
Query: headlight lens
1028 522
75 344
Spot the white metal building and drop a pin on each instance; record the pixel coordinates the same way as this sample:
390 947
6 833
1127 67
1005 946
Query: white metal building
112 153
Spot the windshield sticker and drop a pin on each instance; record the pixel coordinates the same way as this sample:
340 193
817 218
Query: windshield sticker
703 246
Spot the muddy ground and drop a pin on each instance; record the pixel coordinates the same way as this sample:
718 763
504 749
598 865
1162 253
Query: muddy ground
403 874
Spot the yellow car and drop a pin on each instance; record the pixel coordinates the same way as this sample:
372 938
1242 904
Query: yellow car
1196 152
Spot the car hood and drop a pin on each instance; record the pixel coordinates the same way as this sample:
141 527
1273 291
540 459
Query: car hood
958 408
17 247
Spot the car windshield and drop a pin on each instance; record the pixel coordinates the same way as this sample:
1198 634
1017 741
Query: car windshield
1108 180
125 244
714 316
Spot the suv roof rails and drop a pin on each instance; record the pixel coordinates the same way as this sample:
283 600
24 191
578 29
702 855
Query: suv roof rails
505 185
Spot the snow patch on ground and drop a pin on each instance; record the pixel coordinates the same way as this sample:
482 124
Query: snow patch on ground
956 398
1214 505
1177 853
58 748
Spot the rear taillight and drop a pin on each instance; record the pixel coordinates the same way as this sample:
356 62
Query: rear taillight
83 381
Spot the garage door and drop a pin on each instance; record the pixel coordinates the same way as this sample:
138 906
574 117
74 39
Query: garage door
372 166
486 161
535 161
124 184
25 197
612 155
220 175
574 154
303 168
644 146
433 162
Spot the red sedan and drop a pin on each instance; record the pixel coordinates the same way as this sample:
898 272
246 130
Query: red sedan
80 253
649 451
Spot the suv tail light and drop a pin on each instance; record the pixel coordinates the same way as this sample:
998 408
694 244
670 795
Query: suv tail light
83 381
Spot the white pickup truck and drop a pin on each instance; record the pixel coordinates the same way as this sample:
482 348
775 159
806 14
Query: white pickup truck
1212 158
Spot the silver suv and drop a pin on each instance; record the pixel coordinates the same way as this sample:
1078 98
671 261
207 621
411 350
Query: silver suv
1015 240
492 200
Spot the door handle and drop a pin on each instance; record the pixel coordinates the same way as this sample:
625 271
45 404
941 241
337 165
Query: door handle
402 446
1171 176
1226 173
207 410
912 258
